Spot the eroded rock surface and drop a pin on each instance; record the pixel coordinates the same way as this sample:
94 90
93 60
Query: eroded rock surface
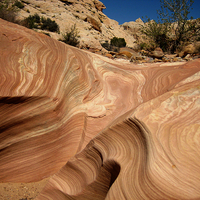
103 129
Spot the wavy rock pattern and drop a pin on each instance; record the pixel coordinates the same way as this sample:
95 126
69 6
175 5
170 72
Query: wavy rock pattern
106 129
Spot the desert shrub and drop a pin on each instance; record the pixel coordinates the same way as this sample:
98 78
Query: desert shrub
173 28
35 21
114 45
71 36
176 12
8 11
143 46
157 35
50 25
19 4
106 45
32 21
118 42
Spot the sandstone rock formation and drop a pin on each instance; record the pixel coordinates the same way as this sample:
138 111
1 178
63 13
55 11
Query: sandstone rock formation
93 25
133 26
103 129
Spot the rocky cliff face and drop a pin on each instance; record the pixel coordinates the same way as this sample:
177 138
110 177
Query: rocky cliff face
104 129
93 25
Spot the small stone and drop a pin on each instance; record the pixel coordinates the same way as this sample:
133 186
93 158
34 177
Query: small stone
164 59
108 55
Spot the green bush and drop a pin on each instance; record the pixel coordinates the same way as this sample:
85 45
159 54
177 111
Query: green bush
115 44
32 21
173 29
71 36
50 25
176 13
118 42
19 4
157 35
35 21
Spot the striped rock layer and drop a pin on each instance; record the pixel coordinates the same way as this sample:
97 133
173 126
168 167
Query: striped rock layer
102 129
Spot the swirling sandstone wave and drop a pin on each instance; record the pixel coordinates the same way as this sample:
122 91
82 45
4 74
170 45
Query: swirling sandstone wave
107 130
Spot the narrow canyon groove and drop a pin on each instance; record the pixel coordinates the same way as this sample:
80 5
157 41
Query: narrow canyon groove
93 128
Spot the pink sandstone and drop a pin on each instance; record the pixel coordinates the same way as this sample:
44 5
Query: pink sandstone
101 128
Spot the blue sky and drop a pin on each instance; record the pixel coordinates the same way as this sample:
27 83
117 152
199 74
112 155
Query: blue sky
130 10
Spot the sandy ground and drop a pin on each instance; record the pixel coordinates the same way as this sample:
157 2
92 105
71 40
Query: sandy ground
21 191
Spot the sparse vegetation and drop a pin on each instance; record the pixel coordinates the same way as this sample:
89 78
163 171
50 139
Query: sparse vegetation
71 36
118 42
173 28
115 44
35 21
19 4
143 45
50 25
8 11
157 35
32 21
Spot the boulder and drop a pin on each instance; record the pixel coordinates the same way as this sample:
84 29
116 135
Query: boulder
189 49
188 57
95 24
126 49
108 55
126 54
171 55
157 53
130 54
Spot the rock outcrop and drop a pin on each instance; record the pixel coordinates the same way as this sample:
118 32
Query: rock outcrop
133 26
93 25
103 128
